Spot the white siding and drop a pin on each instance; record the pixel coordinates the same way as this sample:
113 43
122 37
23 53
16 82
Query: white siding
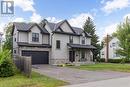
35 30
23 37
15 35
15 46
65 27
88 41
76 40
45 39
61 53
112 49
103 52
49 30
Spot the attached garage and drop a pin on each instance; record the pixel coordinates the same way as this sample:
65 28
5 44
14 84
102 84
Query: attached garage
38 57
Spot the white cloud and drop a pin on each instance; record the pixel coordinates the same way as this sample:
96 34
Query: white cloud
26 5
127 15
79 20
114 5
53 19
108 30
2 25
20 19
36 18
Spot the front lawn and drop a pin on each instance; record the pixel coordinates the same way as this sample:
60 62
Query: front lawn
105 66
36 80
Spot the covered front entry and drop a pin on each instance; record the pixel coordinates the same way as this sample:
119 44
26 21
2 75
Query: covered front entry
38 57
80 53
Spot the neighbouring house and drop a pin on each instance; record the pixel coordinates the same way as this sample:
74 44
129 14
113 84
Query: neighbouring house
113 45
52 43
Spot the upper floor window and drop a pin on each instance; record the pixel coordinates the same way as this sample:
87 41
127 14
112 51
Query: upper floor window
83 40
70 39
35 37
58 44
103 53
113 44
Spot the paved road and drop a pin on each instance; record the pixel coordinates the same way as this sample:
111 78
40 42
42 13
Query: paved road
118 82
76 76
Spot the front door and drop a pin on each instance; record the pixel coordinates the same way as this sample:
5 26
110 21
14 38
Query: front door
71 56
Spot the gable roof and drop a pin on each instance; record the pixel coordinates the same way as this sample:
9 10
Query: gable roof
76 30
26 27
55 26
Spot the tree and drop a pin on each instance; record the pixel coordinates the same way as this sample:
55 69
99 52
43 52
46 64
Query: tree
8 37
89 27
123 34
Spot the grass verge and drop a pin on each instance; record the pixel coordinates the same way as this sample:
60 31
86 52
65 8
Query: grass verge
36 80
105 66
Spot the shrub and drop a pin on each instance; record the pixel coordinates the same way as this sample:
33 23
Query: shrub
6 64
123 60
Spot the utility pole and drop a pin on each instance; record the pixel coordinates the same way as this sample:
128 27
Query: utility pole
107 48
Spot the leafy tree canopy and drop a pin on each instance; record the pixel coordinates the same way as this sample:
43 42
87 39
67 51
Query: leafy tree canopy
123 34
8 37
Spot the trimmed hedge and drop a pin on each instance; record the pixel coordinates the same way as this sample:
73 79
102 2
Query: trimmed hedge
123 60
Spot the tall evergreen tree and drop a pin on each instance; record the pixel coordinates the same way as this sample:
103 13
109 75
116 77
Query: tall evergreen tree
89 27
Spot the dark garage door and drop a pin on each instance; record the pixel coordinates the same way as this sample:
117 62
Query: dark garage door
38 57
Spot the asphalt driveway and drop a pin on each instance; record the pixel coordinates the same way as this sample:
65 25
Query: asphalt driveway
76 76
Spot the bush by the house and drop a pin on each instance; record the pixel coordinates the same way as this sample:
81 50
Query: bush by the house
6 65
123 60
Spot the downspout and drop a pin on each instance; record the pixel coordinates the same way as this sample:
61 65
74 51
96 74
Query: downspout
51 37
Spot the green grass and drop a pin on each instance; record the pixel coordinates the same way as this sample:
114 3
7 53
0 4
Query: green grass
105 66
36 80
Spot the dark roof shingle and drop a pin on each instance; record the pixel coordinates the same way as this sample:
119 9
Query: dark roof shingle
20 26
81 46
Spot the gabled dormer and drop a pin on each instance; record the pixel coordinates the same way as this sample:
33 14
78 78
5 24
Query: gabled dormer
64 26
30 33
85 38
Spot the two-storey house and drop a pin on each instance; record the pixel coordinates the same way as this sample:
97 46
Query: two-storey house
113 45
52 43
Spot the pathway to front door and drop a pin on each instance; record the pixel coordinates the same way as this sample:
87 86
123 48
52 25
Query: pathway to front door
76 76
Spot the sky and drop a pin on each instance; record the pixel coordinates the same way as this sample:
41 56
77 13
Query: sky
106 14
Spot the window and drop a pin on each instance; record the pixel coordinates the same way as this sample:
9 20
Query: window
15 39
58 44
83 40
113 44
82 55
70 39
103 53
35 37
15 51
